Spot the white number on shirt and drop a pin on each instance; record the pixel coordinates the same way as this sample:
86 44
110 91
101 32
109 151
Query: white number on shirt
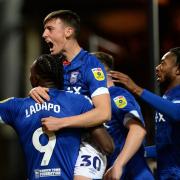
46 149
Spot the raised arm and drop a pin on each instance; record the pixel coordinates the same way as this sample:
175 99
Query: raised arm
166 107
126 81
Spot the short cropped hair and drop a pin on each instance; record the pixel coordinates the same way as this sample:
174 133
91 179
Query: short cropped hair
67 16
105 59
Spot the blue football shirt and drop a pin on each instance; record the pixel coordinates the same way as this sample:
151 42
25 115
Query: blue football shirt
168 139
85 75
49 156
124 108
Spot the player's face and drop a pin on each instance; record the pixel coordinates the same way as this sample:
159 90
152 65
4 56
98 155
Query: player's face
54 35
166 70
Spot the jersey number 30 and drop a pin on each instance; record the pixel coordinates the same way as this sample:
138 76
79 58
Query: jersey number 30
89 160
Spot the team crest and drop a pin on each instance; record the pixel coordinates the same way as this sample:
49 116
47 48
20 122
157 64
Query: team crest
74 77
98 74
120 101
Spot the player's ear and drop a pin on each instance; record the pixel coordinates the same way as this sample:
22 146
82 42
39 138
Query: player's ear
35 81
68 32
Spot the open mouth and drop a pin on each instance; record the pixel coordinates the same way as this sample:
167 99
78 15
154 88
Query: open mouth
50 44
158 77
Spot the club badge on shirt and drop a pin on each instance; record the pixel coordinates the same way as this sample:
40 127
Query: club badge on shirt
74 77
120 101
98 74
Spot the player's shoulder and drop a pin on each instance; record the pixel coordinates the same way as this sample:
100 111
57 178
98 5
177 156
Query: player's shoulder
15 100
119 94
173 94
91 59
23 102
117 90
176 91
16 103
7 100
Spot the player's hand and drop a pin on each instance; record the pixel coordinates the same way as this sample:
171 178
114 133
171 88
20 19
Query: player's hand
39 94
122 78
113 173
126 81
52 123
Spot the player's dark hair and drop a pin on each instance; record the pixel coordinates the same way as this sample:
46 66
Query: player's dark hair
50 68
176 52
105 59
67 16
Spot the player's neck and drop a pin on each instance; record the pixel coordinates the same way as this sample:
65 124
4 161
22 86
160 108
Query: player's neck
71 50
48 85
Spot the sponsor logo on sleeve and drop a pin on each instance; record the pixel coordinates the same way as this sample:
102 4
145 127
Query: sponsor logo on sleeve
98 74
120 101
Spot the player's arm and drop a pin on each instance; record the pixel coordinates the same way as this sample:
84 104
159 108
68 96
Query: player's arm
126 81
133 142
102 139
164 106
97 116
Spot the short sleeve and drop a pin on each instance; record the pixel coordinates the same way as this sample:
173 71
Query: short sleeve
127 105
96 77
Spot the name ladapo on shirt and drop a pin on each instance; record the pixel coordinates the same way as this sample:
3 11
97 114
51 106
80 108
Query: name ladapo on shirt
32 109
